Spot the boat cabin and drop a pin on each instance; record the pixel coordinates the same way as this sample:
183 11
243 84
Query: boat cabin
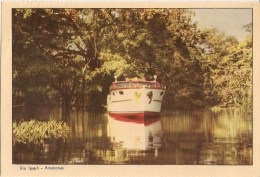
135 84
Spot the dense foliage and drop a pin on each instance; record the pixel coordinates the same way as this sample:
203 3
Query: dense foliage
69 57
38 132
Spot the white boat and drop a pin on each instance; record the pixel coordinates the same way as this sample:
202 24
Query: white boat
135 98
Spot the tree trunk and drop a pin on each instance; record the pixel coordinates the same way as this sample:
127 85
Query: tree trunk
66 102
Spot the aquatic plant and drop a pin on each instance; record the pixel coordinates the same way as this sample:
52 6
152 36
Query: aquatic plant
38 132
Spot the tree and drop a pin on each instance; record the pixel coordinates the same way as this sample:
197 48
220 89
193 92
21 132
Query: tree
69 57
162 42
230 66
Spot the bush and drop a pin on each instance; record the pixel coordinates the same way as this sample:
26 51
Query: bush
38 132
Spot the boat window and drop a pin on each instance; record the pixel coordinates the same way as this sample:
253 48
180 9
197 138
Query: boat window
148 84
137 84
122 85
161 93
121 92
132 85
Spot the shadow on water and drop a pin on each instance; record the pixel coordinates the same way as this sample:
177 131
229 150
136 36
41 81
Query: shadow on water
196 137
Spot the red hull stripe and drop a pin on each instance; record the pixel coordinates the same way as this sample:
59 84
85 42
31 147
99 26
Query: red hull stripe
145 118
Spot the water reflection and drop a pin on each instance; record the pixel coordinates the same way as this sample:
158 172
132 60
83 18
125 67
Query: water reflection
209 137
131 139
198 137
135 136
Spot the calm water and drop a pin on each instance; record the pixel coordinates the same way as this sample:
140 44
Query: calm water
198 137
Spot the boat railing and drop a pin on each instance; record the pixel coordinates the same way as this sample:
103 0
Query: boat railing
136 85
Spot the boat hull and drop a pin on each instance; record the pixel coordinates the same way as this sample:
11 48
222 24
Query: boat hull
135 102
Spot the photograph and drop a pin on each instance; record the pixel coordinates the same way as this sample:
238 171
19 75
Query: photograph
109 89
132 86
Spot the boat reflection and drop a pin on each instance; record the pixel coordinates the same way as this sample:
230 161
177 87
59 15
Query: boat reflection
132 139
135 133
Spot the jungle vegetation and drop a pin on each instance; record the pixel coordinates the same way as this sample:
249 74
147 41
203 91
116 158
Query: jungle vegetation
69 57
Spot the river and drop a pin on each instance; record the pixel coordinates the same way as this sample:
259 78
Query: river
202 137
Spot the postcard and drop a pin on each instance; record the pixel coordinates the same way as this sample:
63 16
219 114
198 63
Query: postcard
130 89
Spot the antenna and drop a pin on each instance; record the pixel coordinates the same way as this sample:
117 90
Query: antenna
115 78
155 77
